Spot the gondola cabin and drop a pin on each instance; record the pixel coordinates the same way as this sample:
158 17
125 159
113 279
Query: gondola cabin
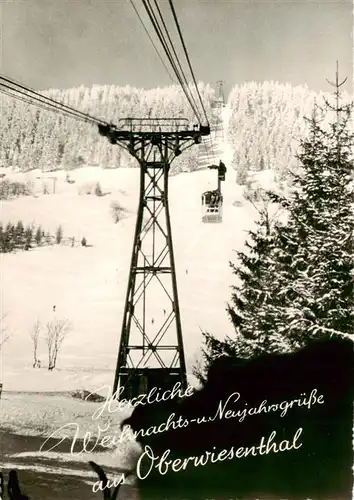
212 202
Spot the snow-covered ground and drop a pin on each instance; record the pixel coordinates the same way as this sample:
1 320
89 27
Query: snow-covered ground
88 285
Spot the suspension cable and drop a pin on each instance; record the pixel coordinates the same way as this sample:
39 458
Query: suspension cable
30 96
32 102
37 97
187 57
15 94
168 54
174 52
185 86
30 99
152 41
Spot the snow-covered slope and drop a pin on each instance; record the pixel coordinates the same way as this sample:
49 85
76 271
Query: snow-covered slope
88 285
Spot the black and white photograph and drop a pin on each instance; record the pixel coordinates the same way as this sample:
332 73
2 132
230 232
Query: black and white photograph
176 250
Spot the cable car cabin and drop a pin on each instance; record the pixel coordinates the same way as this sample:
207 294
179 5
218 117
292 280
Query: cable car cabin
212 206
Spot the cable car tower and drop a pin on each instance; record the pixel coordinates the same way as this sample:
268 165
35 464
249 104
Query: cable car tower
151 352
217 106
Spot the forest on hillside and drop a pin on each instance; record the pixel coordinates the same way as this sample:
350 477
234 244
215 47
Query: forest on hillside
266 123
35 138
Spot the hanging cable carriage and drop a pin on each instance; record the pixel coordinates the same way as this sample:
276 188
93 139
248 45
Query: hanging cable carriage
212 201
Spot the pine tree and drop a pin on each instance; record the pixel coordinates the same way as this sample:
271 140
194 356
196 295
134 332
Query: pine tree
38 236
28 237
59 235
48 238
10 237
296 282
7 244
20 234
316 247
243 171
250 298
98 189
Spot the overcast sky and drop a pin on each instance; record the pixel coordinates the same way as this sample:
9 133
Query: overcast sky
64 43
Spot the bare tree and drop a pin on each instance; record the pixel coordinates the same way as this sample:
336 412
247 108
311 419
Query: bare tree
57 330
34 334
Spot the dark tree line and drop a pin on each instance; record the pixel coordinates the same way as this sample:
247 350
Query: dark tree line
10 189
19 237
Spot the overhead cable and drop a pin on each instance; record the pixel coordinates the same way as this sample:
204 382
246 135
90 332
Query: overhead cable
31 102
21 96
160 35
35 96
187 57
175 54
152 41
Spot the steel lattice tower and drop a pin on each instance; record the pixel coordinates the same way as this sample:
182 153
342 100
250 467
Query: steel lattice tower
151 352
217 106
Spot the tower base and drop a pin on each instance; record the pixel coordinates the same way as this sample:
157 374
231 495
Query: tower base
145 379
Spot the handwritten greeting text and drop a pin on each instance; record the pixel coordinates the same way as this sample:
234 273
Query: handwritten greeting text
106 437
266 446
113 403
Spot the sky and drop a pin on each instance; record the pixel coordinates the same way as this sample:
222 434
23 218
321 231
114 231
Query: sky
66 43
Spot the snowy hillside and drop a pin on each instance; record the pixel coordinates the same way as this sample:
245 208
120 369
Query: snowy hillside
88 285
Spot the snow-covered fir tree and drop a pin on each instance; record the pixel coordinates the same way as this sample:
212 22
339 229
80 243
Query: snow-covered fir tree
295 284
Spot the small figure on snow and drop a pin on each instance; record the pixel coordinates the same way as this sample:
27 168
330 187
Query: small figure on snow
54 308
